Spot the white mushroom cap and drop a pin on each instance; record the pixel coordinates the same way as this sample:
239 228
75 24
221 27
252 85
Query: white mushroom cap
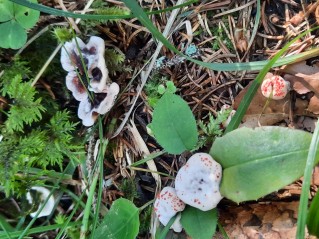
49 206
69 53
102 103
93 56
275 87
74 84
97 67
166 205
197 182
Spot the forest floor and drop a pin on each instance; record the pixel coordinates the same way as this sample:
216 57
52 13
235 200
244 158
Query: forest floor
220 32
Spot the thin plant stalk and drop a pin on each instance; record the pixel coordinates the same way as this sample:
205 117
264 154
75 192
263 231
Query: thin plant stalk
62 13
102 150
67 223
303 203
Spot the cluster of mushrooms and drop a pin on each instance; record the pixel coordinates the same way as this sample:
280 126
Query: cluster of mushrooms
88 78
196 184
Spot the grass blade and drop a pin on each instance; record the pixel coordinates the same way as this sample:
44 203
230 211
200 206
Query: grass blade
62 13
39 229
303 203
142 16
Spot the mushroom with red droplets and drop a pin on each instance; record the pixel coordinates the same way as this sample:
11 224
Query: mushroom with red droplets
197 182
275 87
166 205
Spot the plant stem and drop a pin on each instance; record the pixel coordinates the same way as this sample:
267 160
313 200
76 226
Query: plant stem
303 204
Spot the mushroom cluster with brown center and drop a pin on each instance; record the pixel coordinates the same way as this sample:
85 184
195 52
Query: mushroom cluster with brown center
88 78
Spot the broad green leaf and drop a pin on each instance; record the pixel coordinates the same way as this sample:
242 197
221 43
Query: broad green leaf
120 222
14 37
199 224
174 125
259 161
313 217
26 17
6 10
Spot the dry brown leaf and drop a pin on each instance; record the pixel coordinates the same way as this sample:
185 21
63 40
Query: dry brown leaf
302 77
314 105
271 220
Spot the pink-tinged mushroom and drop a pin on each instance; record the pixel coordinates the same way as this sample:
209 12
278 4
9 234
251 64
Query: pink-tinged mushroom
92 62
275 87
76 86
70 56
197 182
166 205
101 103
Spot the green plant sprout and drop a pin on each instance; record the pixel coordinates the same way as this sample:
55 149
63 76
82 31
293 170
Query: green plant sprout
170 88
213 128
15 20
27 141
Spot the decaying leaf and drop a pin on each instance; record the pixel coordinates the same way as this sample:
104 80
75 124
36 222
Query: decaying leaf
303 79
276 220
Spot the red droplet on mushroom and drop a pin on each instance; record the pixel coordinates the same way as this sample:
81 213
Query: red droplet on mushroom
275 87
167 205
198 186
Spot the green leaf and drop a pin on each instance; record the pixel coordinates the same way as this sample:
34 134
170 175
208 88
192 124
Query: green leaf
259 161
174 125
313 217
199 224
25 16
14 37
6 10
25 108
120 222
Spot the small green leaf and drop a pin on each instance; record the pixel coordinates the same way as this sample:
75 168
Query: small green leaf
174 125
14 37
120 222
161 89
6 10
25 16
199 224
259 161
313 217
171 88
